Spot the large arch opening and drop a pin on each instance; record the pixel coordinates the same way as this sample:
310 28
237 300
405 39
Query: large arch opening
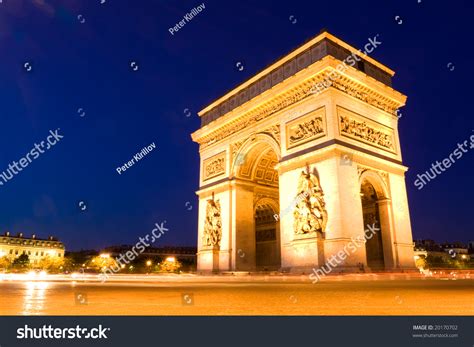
256 166
267 238
371 217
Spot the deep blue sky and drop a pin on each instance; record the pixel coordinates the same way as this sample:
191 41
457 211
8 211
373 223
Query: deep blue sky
87 65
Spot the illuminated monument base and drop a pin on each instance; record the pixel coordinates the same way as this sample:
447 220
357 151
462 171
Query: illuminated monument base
292 179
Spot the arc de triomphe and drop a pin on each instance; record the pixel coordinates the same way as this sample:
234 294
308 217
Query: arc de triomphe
298 161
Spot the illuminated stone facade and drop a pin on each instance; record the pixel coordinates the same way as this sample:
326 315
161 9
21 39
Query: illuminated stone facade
289 176
36 249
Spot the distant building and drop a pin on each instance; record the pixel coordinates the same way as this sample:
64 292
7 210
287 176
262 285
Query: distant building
457 247
447 250
471 247
456 250
35 248
428 245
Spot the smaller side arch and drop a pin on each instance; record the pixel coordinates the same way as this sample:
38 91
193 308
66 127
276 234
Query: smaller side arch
377 211
376 180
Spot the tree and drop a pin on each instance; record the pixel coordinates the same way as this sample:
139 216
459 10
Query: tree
168 265
77 259
69 265
50 264
5 262
421 263
22 262
102 262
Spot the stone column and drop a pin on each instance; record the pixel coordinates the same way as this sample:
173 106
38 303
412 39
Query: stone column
403 240
386 227
243 227
345 232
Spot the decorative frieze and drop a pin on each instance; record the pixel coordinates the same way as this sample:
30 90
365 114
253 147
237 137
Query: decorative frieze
214 166
257 114
364 130
298 93
358 91
306 128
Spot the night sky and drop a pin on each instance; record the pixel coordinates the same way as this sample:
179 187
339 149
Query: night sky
113 79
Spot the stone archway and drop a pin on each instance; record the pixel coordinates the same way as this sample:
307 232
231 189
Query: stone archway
348 132
376 211
258 239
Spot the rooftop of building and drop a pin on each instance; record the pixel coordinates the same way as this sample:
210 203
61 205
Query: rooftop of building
431 245
20 238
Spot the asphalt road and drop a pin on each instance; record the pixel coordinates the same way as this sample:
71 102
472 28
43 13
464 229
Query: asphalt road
341 295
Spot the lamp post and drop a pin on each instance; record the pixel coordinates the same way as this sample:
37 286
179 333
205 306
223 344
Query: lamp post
148 264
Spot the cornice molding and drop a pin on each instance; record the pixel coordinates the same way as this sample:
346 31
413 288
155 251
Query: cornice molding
345 82
307 51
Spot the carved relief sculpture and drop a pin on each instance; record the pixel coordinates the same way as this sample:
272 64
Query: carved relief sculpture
274 131
214 166
213 224
363 131
305 128
310 214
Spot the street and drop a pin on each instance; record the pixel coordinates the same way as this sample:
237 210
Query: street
239 295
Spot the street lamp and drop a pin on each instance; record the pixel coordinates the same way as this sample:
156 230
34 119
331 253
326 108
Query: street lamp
171 259
148 263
